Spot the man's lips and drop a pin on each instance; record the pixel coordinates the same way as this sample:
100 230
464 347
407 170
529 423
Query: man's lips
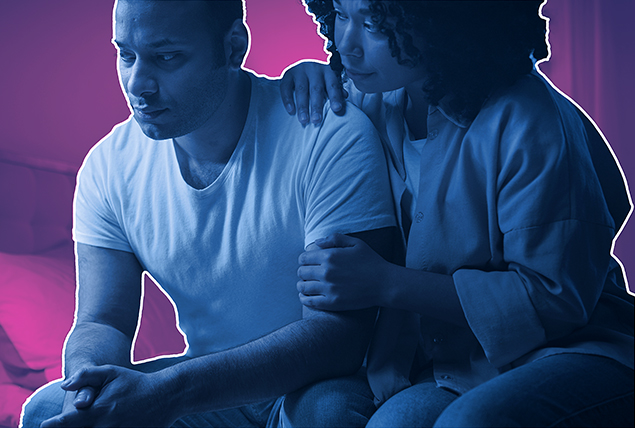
148 113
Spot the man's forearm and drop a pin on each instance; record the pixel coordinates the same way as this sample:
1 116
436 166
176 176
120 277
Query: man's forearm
94 344
323 346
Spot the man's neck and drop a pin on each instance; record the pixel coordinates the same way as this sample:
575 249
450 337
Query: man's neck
203 154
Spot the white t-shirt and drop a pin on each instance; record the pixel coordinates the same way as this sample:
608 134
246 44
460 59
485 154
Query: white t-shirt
227 254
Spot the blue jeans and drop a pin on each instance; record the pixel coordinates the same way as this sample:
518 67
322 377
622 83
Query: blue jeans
343 399
48 403
557 391
340 402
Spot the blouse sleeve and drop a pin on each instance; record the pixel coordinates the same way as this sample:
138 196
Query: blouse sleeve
556 228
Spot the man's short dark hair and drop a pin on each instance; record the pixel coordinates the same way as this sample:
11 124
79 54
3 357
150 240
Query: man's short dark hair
222 14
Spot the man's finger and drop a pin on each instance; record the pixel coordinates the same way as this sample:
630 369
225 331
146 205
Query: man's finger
85 397
73 418
94 376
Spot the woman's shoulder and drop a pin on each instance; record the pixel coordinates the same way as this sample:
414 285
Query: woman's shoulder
530 96
531 109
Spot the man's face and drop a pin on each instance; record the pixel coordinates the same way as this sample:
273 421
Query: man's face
172 68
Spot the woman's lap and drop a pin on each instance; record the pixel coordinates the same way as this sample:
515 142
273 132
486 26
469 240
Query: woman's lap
559 390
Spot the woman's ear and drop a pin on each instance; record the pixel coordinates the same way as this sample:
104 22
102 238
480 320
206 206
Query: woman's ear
236 44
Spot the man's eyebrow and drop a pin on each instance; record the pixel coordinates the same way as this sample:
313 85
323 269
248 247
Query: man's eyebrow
158 44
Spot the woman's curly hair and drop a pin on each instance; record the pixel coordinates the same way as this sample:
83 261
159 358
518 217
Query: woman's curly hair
470 48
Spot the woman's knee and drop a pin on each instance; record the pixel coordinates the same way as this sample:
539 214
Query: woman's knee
342 402
417 406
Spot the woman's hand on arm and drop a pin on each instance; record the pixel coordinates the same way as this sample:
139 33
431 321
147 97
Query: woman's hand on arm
305 87
343 273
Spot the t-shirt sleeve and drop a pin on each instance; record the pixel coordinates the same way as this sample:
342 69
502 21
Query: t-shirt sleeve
95 221
347 188
557 236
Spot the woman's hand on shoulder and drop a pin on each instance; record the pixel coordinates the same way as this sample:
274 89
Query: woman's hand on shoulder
342 273
305 87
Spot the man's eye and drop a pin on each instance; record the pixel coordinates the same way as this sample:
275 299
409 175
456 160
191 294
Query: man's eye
126 56
166 57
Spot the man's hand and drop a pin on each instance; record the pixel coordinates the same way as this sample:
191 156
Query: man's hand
342 274
312 82
126 398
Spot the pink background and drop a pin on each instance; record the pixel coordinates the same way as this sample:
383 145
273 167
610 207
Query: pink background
60 94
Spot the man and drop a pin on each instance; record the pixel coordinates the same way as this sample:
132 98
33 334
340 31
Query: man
214 190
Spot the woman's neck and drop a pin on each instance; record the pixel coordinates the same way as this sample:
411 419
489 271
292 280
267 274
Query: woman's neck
416 113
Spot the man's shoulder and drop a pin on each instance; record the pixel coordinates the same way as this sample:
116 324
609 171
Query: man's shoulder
353 127
123 141
268 92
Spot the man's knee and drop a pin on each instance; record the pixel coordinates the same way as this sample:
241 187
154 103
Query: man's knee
342 402
42 405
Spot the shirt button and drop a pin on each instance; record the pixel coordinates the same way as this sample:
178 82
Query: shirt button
434 133
419 217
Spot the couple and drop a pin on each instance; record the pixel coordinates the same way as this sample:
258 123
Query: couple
510 309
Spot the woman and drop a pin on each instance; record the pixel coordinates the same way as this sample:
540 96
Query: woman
509 200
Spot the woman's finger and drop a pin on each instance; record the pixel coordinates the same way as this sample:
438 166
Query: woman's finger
302 98
318 98
336 240
314 301
311 288
310 273
287 86
335 92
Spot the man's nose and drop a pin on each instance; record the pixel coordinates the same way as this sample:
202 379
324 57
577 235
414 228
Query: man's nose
141 79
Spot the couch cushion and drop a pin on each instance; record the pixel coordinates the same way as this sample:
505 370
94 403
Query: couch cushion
37 201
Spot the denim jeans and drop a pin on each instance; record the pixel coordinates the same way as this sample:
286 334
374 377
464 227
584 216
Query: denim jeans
337 402
340 402
557 391
48 403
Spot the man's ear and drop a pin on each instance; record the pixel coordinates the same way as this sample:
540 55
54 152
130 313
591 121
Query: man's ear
236 44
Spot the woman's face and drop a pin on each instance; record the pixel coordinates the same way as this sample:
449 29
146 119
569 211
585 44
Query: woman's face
365 51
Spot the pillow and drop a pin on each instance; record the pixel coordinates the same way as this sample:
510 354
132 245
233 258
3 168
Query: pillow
37 307
11 404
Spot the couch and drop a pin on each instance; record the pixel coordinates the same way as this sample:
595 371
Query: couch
37 282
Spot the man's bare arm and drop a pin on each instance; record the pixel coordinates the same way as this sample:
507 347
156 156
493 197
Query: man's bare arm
108 298
320 346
